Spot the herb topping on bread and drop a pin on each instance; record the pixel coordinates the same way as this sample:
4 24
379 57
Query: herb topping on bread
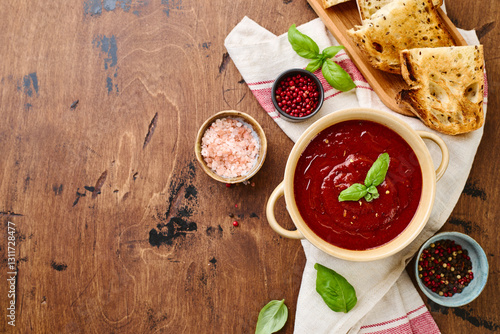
400 25
330 3
447 87
368 7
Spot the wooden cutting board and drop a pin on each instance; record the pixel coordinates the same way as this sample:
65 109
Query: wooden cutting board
340 18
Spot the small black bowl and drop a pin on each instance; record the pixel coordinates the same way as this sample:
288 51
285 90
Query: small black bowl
290 73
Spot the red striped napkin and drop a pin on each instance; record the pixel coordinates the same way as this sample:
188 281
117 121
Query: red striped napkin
388 302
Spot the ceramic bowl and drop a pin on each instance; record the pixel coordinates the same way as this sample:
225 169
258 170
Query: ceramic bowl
479 268
305 73
257 132
429 178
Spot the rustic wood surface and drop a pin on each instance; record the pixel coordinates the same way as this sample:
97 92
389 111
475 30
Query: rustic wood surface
118 230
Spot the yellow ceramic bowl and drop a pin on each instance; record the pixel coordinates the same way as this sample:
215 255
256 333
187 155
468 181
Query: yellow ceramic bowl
429 176
256 130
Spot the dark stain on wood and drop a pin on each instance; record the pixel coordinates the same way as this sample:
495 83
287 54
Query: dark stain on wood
466 225
473 190
99 184
465 314
57 189
92 7
191 192
134 177
27 106
30 83
78 196
225 61
185 212
476 321
88 188
27 182
484 29
254 215
108 46
177 224
74 104
215 232
153 319
10 213
58 266
171 4
151 130
165 234
214 262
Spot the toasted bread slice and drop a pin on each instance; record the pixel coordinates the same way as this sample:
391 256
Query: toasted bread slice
330 3
447 87
368 7
400 25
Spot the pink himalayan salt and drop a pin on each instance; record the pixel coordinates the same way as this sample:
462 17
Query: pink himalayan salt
229 148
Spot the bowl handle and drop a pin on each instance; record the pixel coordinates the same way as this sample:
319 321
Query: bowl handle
278 192
445 155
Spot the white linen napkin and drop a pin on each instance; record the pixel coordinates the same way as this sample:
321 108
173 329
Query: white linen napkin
387 299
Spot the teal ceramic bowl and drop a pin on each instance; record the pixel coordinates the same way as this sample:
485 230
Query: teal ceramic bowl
479 268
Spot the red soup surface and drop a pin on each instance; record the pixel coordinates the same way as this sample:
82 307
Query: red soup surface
340 156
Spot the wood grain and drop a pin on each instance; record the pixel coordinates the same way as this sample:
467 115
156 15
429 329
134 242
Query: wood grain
118 229
339 19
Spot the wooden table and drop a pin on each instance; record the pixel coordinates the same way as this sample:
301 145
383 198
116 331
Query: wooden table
117 229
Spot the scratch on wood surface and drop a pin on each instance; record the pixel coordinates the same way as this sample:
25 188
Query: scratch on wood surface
10 213
99 184
151 130
84 289
78 195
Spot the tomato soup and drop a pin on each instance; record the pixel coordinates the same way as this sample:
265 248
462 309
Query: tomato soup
340 156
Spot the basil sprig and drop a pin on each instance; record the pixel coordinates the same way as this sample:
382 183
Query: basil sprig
338 294
272 317
307 48
376 175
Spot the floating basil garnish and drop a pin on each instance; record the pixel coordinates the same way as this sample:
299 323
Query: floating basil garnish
376 175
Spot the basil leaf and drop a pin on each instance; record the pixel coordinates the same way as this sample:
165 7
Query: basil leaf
338 294
378 171
272 317
372 194
336 76
353 193
331 51
302 44
314 65
372 190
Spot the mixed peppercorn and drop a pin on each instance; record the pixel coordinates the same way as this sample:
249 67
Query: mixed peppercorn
297 95
445 268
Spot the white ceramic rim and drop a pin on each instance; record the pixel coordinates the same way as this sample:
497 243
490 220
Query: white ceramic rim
428 183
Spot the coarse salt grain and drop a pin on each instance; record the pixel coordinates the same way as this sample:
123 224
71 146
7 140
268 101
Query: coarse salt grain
229 148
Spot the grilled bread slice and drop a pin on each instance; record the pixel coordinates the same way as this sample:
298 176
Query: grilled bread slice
330 3
447 87
368 7
400 25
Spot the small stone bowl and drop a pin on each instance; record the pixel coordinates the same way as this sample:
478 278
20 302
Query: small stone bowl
305 73
479 268
258 133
